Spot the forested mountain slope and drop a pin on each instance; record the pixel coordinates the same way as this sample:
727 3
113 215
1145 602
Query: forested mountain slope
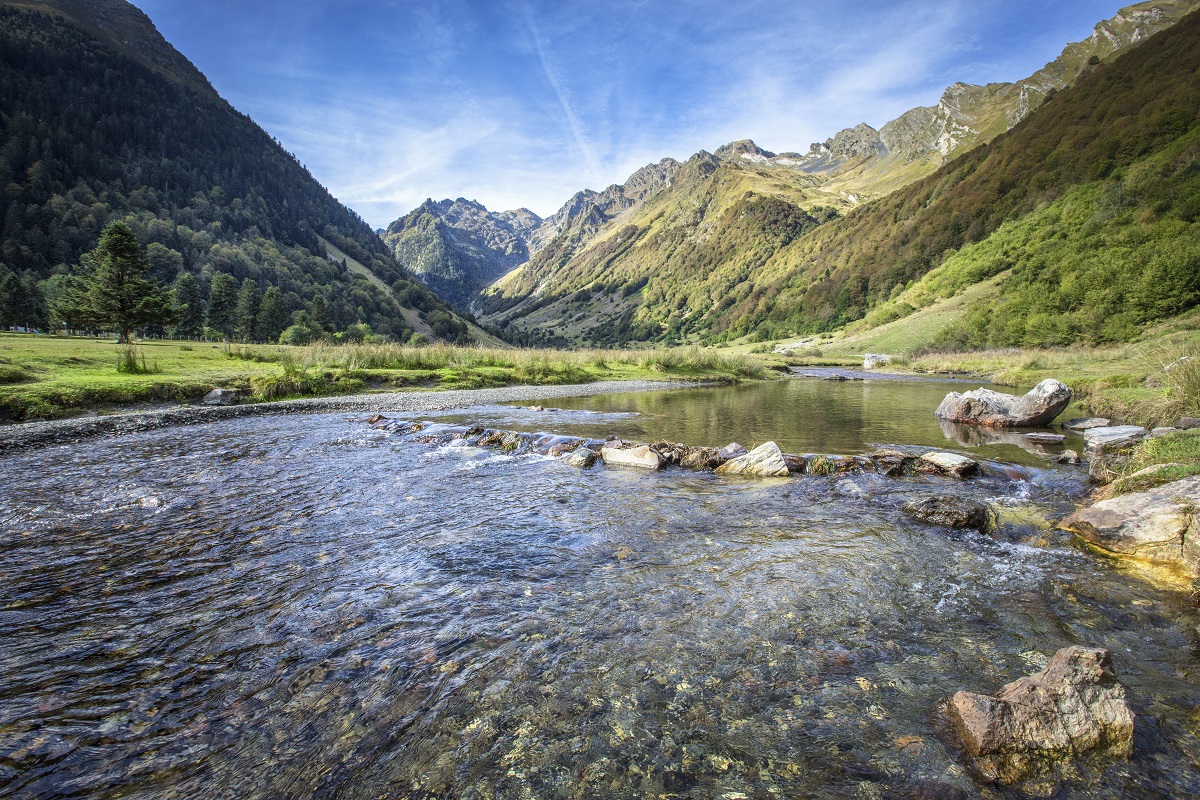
101 119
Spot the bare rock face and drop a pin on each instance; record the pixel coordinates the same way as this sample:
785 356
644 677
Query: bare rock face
1074 705
764 461
1158 526
985 407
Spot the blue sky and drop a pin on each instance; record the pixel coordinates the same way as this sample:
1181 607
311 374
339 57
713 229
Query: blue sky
524 102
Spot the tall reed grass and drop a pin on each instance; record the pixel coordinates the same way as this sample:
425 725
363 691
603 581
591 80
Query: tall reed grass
526 364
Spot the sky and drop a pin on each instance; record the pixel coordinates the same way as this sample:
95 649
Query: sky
522 103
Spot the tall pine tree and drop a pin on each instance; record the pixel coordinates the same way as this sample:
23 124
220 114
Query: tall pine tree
110 290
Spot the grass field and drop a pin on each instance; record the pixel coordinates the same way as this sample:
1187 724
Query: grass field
50 376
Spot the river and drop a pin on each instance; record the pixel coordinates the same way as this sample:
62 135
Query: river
304 606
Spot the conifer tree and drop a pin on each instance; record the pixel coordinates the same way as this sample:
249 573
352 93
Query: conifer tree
110 290
190 305
222 305
249 305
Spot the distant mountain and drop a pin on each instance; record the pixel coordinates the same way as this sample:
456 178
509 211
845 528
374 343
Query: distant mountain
101 119
458 247
685 242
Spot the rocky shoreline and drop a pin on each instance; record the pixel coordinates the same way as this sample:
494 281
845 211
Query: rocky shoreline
23 435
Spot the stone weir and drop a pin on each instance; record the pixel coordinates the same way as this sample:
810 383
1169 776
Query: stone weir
764 461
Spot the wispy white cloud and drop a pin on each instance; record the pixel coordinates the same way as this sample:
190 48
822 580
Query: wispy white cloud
555 78
524 102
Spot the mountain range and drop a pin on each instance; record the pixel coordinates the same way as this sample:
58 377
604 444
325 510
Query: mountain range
681 251
1058 209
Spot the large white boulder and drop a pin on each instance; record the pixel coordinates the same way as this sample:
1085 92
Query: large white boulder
1039 406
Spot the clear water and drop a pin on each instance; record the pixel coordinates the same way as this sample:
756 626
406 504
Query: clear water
800 415
305 607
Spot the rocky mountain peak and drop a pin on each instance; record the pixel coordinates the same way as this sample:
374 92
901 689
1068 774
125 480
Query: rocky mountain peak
744 149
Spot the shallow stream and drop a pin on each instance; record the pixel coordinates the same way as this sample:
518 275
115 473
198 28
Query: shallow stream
287 607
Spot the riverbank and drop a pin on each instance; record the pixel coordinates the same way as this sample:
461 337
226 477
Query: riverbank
36 434
51 377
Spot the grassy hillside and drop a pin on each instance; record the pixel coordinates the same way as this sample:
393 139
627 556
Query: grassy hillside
1083 216
647 273
1099 188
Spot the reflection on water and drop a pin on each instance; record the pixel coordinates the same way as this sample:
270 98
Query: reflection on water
305 607
803 415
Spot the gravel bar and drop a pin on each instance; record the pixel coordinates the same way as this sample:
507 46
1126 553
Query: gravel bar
64 431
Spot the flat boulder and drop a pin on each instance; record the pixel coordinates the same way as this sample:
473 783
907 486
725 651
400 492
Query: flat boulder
1158 527
1072 706
764 461
642 456
951 512
949 464
1100 441
1039 406
222 397
1084 423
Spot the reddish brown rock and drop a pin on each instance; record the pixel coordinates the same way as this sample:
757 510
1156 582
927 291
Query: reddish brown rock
1072 706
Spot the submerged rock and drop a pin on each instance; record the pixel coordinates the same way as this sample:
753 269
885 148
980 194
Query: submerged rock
985 407
222 397
952 512
1074 705
1045 438
893 463
1068 457
950 463
582 457
764 461
642 456
1158 526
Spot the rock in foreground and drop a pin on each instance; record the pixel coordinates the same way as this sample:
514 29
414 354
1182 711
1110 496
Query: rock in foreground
764 461
1158 526
985 407
1074 705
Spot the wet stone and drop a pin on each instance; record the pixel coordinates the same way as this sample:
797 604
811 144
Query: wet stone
1074 705
642 457
582 458
764 461
952 512
949 464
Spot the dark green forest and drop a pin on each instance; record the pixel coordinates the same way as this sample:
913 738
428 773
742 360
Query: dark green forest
92 135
